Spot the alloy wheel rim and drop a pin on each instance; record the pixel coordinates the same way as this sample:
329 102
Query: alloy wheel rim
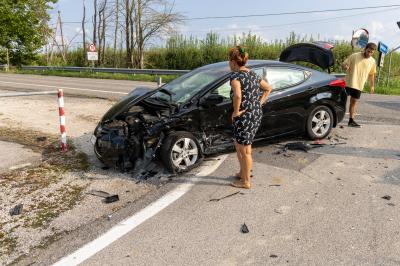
184 153
320 123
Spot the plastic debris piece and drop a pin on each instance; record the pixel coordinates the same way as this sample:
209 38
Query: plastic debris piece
244 228
273 256
111 199
386 197
107 197
17 209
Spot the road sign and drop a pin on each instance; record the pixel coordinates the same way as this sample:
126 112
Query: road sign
383 48
92 56
92 48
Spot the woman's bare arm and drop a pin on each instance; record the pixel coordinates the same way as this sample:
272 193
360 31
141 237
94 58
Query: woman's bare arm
267 90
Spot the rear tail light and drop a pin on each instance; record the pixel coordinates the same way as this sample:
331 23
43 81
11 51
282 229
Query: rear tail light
338 83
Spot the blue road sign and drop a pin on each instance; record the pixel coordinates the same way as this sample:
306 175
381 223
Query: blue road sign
383 48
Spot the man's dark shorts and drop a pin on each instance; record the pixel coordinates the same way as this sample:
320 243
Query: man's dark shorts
353 92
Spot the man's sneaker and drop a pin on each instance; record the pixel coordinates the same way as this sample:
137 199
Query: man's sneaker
353 124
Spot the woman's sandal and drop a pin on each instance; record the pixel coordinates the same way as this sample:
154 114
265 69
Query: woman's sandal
241 184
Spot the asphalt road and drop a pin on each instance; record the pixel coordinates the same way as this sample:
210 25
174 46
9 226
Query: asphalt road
324 207
102 88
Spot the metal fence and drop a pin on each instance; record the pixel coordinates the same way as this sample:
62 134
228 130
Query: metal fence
109 70
124 70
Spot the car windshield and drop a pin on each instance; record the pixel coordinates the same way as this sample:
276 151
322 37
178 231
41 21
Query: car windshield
186 86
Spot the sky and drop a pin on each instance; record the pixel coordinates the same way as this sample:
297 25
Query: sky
380 22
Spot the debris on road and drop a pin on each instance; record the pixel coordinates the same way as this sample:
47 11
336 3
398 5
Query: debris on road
17 209
391 204
304 146
108 198
275 185
244 228
41 138
227 196
386 197
273 256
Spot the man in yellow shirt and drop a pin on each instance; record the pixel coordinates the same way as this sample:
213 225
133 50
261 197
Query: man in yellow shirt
359 67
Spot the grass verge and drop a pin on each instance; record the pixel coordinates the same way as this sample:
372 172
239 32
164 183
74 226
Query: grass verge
43 190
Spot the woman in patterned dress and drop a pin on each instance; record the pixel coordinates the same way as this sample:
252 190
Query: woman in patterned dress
247 110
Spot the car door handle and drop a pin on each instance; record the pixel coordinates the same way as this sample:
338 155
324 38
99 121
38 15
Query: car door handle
312 89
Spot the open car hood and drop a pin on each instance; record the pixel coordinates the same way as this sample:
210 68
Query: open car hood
317 53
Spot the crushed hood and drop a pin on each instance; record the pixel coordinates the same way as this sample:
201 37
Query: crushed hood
317 53
132 98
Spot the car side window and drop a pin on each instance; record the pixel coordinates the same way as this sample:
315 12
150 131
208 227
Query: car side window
224 90
261 72
281 78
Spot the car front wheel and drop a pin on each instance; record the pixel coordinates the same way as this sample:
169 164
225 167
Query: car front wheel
180 152
319 122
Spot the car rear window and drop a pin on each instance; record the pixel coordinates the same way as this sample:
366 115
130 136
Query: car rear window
280 78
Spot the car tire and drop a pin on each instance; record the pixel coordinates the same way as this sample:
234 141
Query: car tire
319 122
180 152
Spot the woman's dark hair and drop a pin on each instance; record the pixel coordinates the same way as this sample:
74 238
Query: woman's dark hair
239 55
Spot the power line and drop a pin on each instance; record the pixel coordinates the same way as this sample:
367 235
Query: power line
303 22
291 13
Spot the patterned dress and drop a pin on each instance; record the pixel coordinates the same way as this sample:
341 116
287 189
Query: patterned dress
246 125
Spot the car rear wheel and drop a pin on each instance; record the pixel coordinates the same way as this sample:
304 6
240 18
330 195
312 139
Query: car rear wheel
319 122
180 152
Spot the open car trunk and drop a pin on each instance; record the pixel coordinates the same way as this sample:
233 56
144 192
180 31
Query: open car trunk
317 53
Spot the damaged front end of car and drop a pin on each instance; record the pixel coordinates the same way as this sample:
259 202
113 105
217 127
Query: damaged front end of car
130 134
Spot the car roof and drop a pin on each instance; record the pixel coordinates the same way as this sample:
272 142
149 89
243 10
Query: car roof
224 66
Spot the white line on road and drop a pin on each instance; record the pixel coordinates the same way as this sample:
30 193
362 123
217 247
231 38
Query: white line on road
28 93
60 87
132 222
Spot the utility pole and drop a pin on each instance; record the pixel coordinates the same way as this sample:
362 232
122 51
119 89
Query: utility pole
62 37
84 34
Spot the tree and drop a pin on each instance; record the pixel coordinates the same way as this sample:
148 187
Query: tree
24 27
151 18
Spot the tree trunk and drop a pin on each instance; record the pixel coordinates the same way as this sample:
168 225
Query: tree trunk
115 33
127 33
99 36
94 22
133 23
103 32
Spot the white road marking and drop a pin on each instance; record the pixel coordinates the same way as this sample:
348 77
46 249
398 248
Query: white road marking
28 93
60 87
132 222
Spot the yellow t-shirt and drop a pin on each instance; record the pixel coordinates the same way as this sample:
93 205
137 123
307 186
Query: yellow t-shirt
359 70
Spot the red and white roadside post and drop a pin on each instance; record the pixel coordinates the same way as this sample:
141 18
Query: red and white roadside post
62 120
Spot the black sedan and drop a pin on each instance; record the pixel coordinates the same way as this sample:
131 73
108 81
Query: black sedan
189 117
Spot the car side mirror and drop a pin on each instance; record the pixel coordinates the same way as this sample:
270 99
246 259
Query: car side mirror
211 100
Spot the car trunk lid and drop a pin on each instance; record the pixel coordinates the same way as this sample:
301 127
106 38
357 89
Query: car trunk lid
316 53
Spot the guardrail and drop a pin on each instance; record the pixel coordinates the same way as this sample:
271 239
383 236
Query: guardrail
124 70
109 70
